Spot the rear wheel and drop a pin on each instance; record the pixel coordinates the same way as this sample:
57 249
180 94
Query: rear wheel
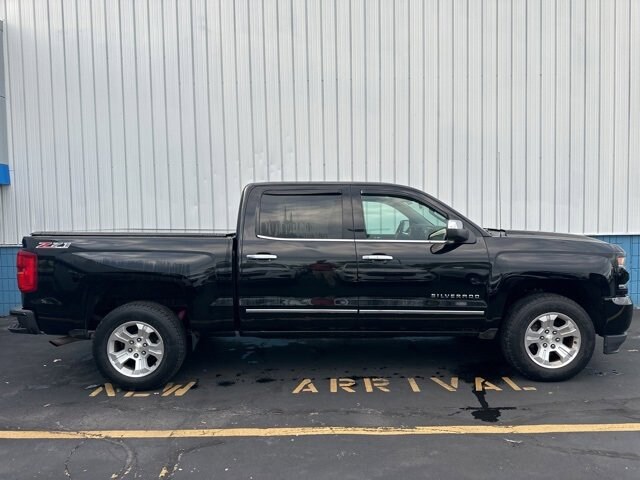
548 337
140 345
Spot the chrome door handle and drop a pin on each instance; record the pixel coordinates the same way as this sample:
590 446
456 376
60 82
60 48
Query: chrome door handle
377 257
262 256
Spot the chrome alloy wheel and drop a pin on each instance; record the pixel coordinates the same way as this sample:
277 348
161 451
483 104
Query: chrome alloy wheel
135 349
552 340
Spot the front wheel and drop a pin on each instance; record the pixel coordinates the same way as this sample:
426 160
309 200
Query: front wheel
548 337
140 345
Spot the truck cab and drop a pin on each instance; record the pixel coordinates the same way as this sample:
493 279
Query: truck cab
360 258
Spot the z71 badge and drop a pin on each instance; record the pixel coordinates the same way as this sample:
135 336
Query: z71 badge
53 245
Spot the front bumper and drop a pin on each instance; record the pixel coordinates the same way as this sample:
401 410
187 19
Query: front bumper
25 322
618 314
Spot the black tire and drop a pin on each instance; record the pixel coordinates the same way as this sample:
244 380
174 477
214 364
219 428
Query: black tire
170 331
514 329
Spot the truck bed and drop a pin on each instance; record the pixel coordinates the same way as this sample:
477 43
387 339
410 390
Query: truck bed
83 275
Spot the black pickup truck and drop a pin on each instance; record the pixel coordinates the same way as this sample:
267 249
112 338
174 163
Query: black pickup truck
326 259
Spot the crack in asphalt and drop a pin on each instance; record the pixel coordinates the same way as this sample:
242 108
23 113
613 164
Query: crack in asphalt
129 463
176 458
68 459
591 452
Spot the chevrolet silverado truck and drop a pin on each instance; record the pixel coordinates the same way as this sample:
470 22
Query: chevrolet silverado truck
325 259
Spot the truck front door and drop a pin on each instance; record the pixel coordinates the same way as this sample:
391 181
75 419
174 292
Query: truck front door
410 278
297 260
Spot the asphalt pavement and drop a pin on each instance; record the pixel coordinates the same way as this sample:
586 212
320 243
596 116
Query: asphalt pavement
290 409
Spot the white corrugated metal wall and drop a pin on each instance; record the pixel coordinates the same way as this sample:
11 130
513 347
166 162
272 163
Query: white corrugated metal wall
149 113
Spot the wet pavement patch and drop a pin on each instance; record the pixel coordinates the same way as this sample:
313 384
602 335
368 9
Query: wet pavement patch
265 380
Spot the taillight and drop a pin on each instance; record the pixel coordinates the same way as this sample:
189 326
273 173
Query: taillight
27 264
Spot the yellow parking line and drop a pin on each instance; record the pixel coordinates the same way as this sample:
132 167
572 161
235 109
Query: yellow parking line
320 431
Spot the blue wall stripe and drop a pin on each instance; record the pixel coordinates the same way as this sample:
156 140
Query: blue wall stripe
9 294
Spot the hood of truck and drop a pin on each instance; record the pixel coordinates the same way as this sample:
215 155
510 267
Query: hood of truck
556 241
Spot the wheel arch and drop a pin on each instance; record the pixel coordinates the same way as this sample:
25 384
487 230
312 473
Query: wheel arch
584 294
105 296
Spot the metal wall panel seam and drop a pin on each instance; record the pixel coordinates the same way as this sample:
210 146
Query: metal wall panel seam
146 189
540 210
251 80
526 112
201 114
577 117
55 204
467 131
287 84
337 87
217 114
239 111
482 157
294 94
81 100
279 84
188 123
366 93
210 162
25 134
180 116
614 117
358 90
621 116
599 116
38 112
224 128
633 207
350 88
555 112
584 123
95 116
110 115
511 114
570 111
563 113
380 159
607 132
308 85
124 121
152 118
628 203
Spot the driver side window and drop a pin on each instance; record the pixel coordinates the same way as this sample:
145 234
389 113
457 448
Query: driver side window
397 218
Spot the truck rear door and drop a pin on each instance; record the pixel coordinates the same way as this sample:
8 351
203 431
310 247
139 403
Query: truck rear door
297 260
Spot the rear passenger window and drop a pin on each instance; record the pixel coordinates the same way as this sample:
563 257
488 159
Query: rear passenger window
300 216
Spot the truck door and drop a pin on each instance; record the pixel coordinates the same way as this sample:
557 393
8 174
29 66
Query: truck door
409 277
297 260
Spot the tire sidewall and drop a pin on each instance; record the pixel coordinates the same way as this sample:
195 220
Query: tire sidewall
522 315
173 346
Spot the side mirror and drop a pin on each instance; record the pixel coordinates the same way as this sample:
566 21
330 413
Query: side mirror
456 232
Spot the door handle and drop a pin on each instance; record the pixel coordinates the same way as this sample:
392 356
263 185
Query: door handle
262 256
377 257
